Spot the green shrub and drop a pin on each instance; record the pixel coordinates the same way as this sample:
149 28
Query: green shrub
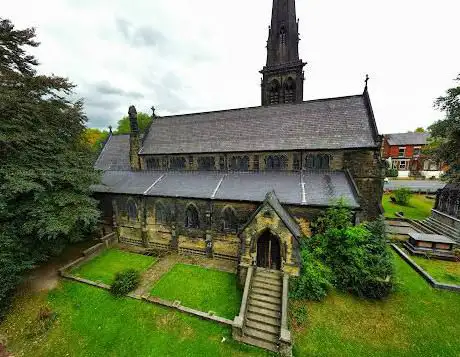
402 196
314 280
300 314
338 216
391 172
125 282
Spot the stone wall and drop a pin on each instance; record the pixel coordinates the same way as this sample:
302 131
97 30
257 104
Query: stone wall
256 161
367 170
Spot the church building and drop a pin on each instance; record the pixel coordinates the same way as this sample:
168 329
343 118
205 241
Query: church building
244 184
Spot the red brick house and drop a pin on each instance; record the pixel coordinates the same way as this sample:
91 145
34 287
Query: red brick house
405 151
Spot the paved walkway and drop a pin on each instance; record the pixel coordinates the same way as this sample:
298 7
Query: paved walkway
164 264
415 185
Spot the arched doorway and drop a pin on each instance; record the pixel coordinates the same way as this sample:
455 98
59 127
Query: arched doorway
268 251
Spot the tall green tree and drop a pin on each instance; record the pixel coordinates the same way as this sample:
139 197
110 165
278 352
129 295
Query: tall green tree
45 167
445 133
143 119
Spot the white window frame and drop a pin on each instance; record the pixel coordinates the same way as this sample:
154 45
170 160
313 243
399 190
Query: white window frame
399 151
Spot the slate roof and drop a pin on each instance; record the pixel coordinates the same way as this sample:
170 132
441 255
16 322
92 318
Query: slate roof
312 189
407 138
287 219
115 154
436 238
334 123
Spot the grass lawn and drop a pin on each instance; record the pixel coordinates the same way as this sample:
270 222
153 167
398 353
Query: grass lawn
202 289
90 322
443 271
415 321
419 207
104 267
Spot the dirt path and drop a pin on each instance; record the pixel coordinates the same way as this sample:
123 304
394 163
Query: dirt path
45 276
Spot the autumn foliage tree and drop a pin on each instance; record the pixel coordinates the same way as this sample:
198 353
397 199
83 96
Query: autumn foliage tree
45 168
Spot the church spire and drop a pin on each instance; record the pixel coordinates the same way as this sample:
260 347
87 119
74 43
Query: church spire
282 80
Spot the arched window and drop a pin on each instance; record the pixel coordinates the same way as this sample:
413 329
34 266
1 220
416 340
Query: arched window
229 220
289 91
161 214
276 162
283 35
191 217
317 162
132 211
324 162
274 92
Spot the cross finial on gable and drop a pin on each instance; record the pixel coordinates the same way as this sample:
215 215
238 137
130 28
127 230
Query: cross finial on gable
366 80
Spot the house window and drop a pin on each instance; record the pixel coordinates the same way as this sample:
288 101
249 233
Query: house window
417 151
276 162
132 211
153 164
222 163
402 165
191 217
402 151
206 163
177 163
274 92
229 220
317 162
296 164
161 214
239 163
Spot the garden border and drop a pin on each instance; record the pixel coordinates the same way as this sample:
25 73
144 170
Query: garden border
91 252
435 284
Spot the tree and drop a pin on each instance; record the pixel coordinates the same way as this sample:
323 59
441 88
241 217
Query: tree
94 138
143 119
419 130
445 133
45 167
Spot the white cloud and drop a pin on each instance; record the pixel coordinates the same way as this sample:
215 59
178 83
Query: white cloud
197 55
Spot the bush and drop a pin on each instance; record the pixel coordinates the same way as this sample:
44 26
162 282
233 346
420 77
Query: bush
299 314
125 282
314 280
391 172
402 196
360 262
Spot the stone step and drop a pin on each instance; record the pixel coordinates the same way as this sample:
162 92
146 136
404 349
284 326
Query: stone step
441 226
274 321
268 274
260 335
266 292
261 326
261 311
265 305
259 343
263 280
265 298
270 287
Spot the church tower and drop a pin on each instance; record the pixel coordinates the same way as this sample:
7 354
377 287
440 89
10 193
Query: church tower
282 76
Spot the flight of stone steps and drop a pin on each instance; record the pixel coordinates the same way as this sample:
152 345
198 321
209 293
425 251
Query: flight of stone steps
433 226
263 318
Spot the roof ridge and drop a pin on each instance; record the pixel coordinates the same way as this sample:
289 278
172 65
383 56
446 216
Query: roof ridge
254 107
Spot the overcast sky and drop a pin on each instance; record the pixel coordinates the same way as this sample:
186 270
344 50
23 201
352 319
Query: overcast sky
199 55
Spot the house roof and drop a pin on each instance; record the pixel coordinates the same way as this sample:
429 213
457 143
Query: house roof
334 123
115 154
308 189
272 200
407 138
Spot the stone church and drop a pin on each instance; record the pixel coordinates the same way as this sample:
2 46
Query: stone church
244 184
